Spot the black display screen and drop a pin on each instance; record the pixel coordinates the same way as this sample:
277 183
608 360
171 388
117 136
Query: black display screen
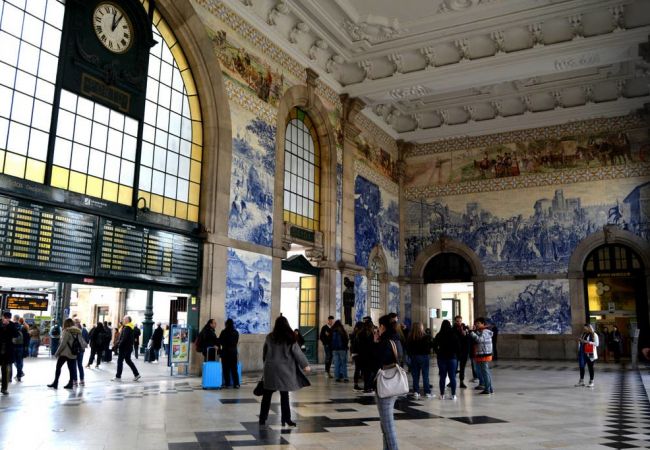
27 303
45 237
133 251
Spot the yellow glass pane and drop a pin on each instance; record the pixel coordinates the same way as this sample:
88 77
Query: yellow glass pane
317 211
15 165
2 161
179 57
35 170
125 195
166 33
285 215
77 182
197 132
195 171
307 282
156 17
197 152
156 203
94 186
195 192
193 213
195 108
60 177
181 210
144 199
169 206
317 179
110 191
188 81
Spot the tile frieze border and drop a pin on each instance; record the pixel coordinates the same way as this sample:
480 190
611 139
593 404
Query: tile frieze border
581 128
383 139
252 103
366 172
547 179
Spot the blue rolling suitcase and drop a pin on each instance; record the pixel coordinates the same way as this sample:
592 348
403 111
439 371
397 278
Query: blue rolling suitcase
211 378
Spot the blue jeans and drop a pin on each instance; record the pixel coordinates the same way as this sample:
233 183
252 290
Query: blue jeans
386 408
485 376
447 368
18 361
80 365
340 364
420 363
33 347
54 345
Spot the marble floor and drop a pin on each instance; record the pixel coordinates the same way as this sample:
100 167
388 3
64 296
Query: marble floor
535 406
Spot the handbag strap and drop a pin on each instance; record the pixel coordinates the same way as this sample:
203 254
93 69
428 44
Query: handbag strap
394 347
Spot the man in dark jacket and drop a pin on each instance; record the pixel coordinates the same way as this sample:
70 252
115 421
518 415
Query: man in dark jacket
462 332
326 339
8 332
124 349
136 341
156 343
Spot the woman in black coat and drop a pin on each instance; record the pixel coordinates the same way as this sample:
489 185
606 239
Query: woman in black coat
97 344
447 347
228 340
208 340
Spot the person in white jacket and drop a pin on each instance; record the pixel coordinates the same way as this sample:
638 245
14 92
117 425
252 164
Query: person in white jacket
587 354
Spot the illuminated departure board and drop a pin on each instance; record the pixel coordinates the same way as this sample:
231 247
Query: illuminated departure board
27 303
45 237
133 251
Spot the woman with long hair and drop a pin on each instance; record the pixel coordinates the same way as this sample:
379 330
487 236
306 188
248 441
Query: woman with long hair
418 347
66 355
207 340
284 364
340 351
447 347
587 354
228 340
97 344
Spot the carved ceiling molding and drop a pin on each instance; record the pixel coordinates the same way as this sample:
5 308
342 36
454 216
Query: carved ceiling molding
362 169
583 127
561 177
374 33
250 102
383 139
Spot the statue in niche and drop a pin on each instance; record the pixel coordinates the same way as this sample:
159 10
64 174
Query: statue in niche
348 300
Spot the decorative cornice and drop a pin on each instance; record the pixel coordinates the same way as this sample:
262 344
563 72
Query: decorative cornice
553 132
251 103
360 168
541 179
383 139
327 93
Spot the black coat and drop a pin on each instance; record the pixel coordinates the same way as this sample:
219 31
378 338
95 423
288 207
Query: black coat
447 345
156 339
7 334
228 340
125 343
383 354
208 338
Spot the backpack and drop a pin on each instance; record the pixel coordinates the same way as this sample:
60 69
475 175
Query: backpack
198 344
55 332
75 347
18 338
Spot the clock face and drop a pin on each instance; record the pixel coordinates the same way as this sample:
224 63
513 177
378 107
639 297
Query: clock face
113 27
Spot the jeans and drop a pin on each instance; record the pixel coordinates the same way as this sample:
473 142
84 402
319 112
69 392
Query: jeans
462 362
80 364
340 364
33 347
72 368
18 361
6 374
386 408
420 363
328 358
54 345
266 405
485 376
136 349
121 359
447 368
583 361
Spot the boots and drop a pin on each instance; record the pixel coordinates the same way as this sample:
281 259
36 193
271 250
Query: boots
54 385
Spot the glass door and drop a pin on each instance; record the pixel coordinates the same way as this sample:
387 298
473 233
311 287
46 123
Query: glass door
308 315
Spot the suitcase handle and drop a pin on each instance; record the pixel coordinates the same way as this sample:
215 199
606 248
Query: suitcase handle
214 350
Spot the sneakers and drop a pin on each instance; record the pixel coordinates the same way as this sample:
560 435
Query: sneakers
116 379
137 377
453 397
479 388
591 384
357 388
429 395
82 383
580 383
485 392
75 384
415 395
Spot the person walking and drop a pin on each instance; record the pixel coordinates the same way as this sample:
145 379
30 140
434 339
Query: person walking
587 354
24 329
616 343
387 353
34 340
207 339
325 337
465 341
8 333
80 355
447 347
285 366
124 348
97 347
156 343
55 337
418 348
482 337
228 339
72 344
136 341
18 348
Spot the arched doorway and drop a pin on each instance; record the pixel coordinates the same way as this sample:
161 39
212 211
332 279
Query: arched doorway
615 292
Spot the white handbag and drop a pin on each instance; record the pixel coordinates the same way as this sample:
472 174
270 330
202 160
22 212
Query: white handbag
393 381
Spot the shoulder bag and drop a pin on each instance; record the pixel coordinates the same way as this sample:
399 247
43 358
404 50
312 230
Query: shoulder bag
392 381
259 388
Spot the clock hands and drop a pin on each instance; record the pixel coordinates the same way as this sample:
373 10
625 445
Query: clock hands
116 22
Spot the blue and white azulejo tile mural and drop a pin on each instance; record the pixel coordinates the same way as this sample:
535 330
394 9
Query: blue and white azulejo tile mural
360 297
339 215
534 231
529 307
339 296
376 221
393 298
408 314
248 291
252 180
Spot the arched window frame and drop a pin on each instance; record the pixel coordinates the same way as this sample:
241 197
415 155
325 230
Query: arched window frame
377 279
302 166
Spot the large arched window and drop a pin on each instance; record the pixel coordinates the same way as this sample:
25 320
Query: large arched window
94 149
301 172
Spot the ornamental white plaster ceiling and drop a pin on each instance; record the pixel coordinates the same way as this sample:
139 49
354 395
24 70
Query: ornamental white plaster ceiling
434 69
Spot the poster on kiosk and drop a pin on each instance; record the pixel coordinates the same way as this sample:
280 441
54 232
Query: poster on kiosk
180 345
